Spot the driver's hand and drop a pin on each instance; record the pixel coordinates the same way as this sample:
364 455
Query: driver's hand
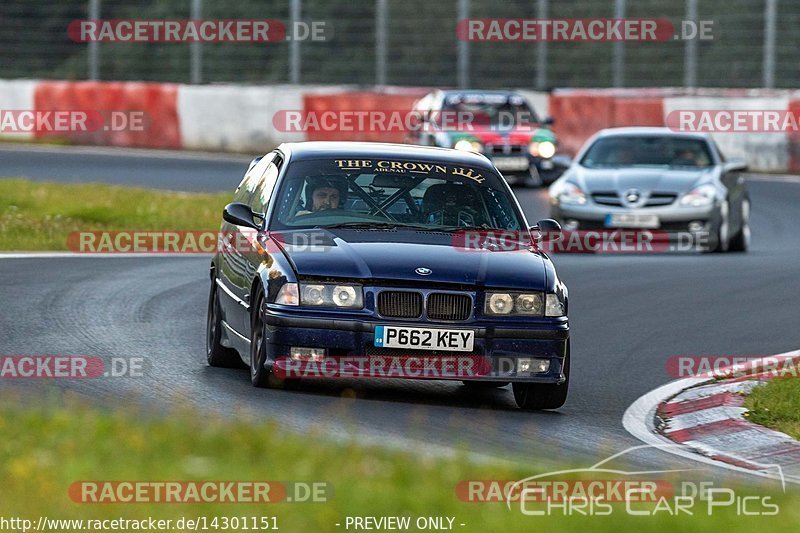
300 213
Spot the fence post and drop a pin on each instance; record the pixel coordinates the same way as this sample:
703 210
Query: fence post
541 49
196 47
463 47
770 16
618 66
381 45
94 46
294 44
690 49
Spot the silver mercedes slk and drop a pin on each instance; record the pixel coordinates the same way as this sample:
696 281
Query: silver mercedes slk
655 179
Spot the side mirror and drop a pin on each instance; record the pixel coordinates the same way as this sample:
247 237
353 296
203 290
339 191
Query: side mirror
561 160
240 215
548 121
254 162
548 230
735 165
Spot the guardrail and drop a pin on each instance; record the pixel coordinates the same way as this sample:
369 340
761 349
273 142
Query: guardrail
242 118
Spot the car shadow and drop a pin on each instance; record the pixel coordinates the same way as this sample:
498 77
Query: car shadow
409 391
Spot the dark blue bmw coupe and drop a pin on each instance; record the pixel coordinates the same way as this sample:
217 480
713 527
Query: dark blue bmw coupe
390 261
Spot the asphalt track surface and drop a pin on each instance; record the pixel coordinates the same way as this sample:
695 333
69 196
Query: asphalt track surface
628 315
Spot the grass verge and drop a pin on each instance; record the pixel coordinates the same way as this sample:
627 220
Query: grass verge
49 446
776 405
36 216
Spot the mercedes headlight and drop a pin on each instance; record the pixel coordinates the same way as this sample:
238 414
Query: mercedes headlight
504 303
571 194
329 295
468 146
544 149
701 196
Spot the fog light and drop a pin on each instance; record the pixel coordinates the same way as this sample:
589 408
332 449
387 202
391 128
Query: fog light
299 352
532 366
696 226
570 224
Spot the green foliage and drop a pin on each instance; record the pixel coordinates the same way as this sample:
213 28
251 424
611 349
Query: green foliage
776 405
51 444
40 216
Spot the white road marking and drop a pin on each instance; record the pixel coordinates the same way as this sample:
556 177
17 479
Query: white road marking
58 255
126 152
704 416
639 421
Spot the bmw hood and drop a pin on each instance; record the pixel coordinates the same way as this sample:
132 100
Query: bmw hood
646 180
410 256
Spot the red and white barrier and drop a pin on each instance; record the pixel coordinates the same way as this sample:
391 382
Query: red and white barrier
156 102
17 95
241 118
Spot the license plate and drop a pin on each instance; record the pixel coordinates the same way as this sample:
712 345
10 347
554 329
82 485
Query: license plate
454 340
632 220
511 163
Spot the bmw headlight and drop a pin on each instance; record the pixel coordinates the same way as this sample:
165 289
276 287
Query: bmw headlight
701 196
571 194
554 305
504 303
329 295
468 146
544 149
288 295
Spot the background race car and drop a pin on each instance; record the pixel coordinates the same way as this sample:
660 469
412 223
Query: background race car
499 124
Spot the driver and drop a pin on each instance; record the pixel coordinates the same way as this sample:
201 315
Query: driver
324 193
685 156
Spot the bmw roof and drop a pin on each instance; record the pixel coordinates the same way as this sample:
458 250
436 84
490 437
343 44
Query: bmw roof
298 151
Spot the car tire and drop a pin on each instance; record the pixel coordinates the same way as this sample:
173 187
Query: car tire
741 241
217 354
259 373
538 396
723 238
482 385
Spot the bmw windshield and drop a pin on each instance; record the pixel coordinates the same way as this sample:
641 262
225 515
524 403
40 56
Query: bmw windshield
386 192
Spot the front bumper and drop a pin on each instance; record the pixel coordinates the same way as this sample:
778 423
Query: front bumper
675 231
520 167
670 216
496 349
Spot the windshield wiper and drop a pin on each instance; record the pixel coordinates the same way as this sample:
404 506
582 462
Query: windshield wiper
376 225
403 225
482 227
